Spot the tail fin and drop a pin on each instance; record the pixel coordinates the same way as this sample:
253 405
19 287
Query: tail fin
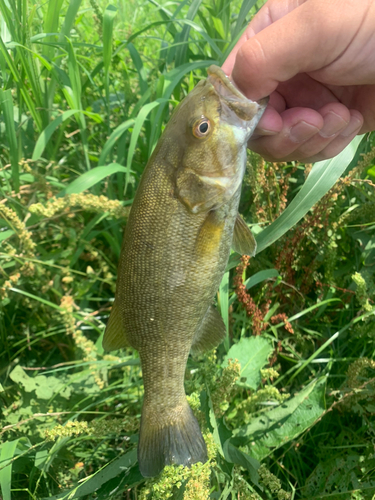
177 440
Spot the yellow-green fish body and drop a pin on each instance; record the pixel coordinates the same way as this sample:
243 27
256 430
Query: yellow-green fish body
176 246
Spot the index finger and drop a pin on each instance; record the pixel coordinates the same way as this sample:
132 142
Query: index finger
268 14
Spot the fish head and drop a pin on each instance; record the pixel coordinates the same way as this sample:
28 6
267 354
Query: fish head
211 127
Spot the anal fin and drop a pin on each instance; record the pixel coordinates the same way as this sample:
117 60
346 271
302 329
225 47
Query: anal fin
115 335
211 332
243 240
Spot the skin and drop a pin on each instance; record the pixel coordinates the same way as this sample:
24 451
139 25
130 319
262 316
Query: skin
316 60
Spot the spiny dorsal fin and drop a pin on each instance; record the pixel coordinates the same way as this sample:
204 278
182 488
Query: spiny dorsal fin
243 240
211 332
115 335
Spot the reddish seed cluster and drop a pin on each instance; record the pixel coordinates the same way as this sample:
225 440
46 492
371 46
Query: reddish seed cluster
251 308
282 317
272 184
294 245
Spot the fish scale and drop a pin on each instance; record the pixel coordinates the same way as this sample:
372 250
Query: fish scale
176 246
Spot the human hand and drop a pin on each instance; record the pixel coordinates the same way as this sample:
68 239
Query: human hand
316 60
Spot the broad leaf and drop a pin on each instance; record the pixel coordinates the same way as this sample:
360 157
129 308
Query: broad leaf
252 354
276 427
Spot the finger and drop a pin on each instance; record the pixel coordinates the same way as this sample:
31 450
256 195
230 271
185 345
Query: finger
341 140
317 148
271 123
299 125
264 17
305 92
336 118
312 37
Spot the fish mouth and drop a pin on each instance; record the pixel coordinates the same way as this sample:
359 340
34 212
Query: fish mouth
244 108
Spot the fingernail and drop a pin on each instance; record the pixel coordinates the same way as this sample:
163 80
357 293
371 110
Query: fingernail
263 131
302 131
333 123
354 126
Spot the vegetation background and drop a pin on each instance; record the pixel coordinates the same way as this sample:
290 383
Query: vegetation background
287 401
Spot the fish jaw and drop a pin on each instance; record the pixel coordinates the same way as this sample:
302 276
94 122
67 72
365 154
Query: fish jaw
239 111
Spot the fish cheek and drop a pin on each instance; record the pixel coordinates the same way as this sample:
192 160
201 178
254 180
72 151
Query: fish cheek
196 194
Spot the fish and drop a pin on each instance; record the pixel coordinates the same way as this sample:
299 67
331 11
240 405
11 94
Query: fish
182 225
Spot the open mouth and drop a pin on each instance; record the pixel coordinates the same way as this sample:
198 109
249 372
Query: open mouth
244 108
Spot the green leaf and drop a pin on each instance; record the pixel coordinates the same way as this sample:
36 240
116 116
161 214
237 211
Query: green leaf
8 451
322 177
108 19
6 234
283 424
41 457
256 279
44 387
252 354
139 67
45 136
236 456
142 115
113 138
208 408
340 476
183 37
119 466
92 177
6 105
224 306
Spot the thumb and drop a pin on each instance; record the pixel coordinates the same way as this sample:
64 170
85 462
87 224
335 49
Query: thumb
306 39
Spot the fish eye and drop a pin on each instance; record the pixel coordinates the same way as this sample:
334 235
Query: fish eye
202 128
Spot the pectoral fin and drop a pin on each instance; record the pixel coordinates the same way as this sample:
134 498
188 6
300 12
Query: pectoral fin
115 335
211 332
243 240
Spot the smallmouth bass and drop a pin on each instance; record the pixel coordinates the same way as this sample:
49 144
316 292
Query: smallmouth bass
182 224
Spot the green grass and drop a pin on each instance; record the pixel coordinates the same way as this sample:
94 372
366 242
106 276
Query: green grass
86 90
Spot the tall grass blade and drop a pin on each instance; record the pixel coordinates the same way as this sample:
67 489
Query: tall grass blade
46 135
6 104
167 16
65 32
239 28
241 19
108 20
73 96
51 23
320 180
139 67
93 482
204 35
92 177
8 450
182 49
113 139
142 115
224 306
48 131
